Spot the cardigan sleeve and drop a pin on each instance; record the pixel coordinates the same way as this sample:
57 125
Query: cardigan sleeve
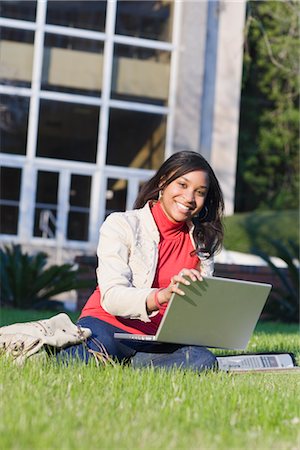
118 296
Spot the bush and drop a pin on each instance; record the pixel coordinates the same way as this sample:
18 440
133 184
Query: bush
27 283
285 304
245 231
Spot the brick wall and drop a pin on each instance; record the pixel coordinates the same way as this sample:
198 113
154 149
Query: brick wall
261 274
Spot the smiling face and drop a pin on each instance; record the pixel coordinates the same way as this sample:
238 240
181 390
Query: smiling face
184 197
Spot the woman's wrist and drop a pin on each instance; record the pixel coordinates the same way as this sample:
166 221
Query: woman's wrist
156 299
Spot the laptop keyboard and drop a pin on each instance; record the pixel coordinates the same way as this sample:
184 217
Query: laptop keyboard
248 362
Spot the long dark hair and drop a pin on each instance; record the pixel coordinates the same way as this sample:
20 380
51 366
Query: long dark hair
208 231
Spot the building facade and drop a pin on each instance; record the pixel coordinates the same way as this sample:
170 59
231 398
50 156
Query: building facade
96 94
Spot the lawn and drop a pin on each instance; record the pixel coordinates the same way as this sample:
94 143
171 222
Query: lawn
46 406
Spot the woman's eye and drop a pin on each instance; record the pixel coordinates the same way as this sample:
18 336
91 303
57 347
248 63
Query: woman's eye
182 184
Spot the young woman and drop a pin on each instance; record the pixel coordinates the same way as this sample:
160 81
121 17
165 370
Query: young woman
170 236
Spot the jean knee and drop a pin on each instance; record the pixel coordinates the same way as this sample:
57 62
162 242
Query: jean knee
200 358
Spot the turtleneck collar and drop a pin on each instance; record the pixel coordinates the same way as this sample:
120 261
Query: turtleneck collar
167 229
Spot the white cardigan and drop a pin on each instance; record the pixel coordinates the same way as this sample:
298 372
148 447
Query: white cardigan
127 259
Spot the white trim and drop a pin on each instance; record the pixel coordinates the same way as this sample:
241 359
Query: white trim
98 189
142 107
119 171
141 42
36 80
75 32
106 82
14 90
173 78
132 191
70 98
27 202
19 24
12 160
63 193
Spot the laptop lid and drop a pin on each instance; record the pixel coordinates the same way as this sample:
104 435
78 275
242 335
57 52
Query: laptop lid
216 312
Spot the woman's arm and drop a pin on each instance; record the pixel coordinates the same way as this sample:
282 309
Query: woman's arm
118 296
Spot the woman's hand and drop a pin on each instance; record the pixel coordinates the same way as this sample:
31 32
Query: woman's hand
163 296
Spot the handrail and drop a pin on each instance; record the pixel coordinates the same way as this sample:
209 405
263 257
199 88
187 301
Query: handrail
46 218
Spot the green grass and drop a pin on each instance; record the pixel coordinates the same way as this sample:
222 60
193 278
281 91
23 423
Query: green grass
47 406
244 231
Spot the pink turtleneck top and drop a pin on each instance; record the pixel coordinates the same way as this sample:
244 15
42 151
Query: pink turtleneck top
174 253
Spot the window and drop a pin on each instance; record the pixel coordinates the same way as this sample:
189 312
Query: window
46 204
116 194
145 19
72 64
136 139
18 9
68 131
16 56
79 200
141 74
9 200
77 14
13 124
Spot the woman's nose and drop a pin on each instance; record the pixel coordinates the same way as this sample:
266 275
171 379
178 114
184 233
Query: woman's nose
190 196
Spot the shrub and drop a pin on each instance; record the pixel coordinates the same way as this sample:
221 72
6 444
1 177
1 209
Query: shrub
27 283
285 301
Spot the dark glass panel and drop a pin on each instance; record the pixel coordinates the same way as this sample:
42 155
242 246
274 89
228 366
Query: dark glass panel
9 216
18 9
47 187
72 65
13 124
136 139
80 191
116 194
78 218
10 183
145 19
68 131
78 226
46 204
77 14
10 178
140 74
16 56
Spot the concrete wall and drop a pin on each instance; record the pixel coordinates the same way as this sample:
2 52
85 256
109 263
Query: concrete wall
209 76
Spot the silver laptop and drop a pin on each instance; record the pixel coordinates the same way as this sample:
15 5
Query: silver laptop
216 312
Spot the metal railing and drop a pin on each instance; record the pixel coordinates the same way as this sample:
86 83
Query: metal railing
47 218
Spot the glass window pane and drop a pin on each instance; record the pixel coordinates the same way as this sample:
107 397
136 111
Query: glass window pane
80 191
9 201
46 204
68 131
78 14
78 226
9 216
18 9
13 124
47 187
10 183
116 194
16 56
72 64
136 139
79 214
141 74
145 19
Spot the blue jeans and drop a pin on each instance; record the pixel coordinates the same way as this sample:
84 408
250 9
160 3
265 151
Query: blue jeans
137 353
